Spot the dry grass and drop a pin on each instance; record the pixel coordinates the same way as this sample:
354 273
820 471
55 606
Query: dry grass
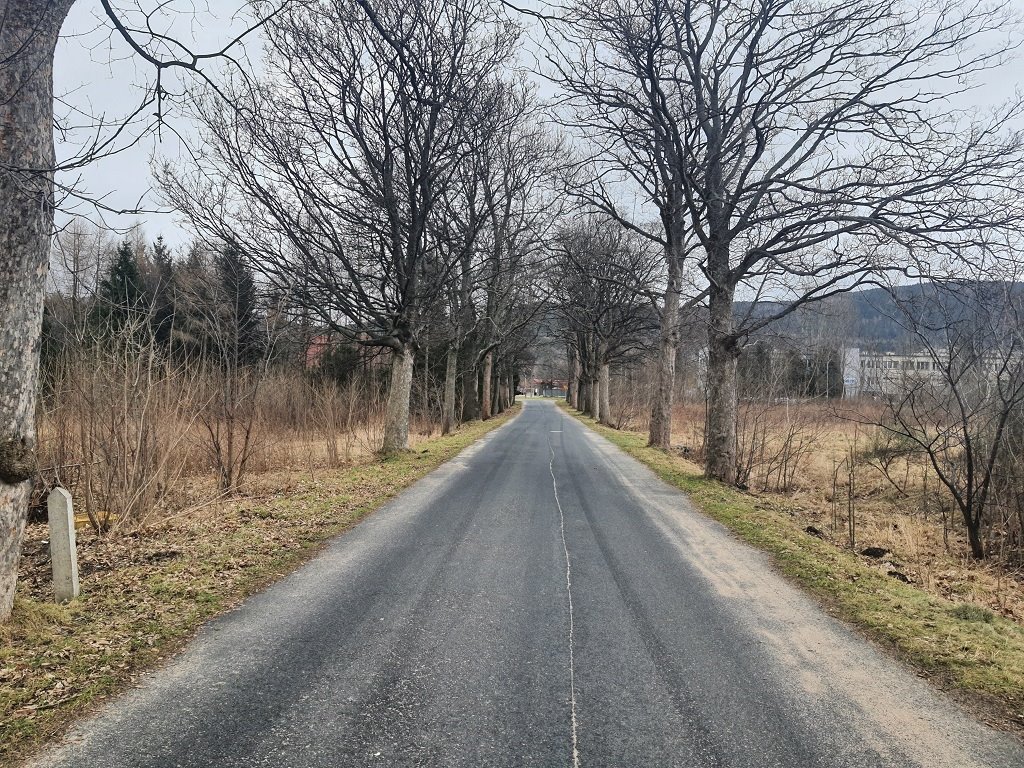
957 622
146 591
925 543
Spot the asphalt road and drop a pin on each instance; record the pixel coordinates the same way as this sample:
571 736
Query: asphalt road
542 600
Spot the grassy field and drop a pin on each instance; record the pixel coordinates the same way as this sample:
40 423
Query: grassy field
145 593
965 648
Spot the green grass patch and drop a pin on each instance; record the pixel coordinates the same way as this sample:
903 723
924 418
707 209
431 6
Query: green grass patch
144 595
965 648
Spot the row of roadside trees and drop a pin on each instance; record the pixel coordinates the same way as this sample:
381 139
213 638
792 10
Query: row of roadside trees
388 172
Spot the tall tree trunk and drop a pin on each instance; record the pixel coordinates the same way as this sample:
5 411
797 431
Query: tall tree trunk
604 382
451 367
660 435
396 421
720 461
502 393
595 393
485 386
573 393
470 400
28 35
974 536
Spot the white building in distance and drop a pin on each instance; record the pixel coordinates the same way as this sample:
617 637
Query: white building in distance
867 372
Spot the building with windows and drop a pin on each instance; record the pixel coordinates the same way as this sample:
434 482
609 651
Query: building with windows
885 373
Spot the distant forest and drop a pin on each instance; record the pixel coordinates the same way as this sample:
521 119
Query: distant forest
878 318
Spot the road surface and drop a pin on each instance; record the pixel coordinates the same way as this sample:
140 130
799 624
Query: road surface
542 600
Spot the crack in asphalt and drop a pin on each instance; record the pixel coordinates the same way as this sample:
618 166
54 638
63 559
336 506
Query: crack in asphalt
568 590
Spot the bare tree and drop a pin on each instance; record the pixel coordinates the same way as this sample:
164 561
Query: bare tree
781 137
463 216
329 172
493 221
230 351
956 406
28 35
608 58
605 288
519 189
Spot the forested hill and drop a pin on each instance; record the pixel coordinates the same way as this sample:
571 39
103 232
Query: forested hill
879 319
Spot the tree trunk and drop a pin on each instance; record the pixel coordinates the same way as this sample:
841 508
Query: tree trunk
974 537
485 386
28 34
604 398
573 393
660 435
450 375
502 395
396 422
595 395
470 401
720 461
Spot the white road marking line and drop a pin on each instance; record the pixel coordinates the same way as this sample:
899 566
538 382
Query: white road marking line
568 590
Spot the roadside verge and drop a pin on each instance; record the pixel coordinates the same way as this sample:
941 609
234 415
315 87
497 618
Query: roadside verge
145 593
972 653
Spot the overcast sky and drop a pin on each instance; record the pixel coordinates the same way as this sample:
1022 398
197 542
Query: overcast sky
96 75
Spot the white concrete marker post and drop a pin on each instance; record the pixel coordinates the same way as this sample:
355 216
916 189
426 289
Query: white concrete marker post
63 556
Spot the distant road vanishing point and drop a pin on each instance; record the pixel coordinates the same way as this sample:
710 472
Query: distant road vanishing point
541 600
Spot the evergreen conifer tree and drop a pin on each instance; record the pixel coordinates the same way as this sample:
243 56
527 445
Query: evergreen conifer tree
163 293
121 297
239 304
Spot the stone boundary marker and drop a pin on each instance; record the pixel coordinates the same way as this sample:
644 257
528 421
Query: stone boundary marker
63 555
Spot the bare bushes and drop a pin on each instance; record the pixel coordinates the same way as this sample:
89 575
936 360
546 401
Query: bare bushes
228 411
775 441
965 463
318 420
134 434
116 423
631 396
896 459
1006 539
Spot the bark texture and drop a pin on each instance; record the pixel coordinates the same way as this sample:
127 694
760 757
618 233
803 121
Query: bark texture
720 463
470 399
450 375
574 380
396 423
28 35
502 395
604 396
485 387
660 435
